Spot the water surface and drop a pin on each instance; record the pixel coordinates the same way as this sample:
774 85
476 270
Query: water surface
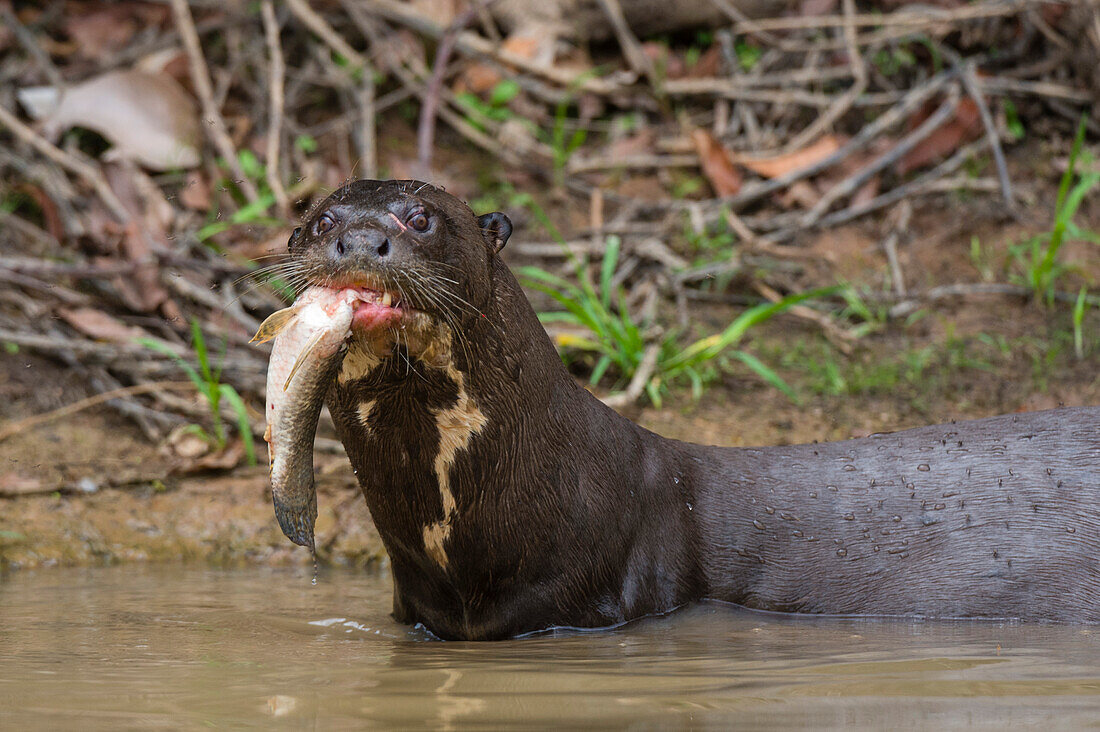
175 647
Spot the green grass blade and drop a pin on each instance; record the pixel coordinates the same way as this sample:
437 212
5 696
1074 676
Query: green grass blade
600 369
243 425
558 317
653 391
607 270
198 343
1078 320
164 350
1064 210
707 348
764 372
1075 151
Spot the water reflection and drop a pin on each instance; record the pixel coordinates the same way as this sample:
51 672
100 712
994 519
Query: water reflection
171 647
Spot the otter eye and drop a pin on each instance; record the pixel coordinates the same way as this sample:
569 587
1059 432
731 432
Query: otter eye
418 221
325 223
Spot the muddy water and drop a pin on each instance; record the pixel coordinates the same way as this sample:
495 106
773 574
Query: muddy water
170 647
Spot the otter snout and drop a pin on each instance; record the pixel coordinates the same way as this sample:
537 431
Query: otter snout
362 243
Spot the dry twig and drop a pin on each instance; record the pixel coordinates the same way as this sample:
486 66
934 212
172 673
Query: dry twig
276 74
200 78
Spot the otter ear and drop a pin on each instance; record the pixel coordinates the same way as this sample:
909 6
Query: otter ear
496 228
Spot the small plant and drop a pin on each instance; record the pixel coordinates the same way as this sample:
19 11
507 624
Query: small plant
873 317
748 54
496 109
255 212
619 342
980 258
893 60
306 143
1079 308
1013 125
208 383
562 144
1038 256
712 244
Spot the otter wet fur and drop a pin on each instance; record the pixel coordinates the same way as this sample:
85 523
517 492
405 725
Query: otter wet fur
511 500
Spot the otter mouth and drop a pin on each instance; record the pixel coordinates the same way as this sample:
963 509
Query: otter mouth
378 308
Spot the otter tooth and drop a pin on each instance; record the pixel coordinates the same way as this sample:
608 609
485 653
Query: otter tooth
387 299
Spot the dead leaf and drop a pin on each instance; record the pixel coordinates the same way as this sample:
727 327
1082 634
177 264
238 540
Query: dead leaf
817 7
99 33
51 216
477 78
708 65
964 126
147 118
141 290
667 63
724 178
184 443
774 167
195 454
228 457
13 484
801 194
524 45
640 143
442 12
195 193
866 192
99 325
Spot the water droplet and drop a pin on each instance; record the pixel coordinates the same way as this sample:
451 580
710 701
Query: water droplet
1071 530
939 506
813 494
849 468
923 467
849 517
769 510
875 547
842 552
690 507
796 533
895 518
676 479
833 488
757 524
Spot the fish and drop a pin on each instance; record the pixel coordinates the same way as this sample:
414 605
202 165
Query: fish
310 340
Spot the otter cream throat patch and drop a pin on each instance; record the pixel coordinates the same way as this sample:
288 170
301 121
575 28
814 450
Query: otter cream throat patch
457 425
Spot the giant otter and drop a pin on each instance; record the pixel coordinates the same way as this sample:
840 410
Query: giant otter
511 500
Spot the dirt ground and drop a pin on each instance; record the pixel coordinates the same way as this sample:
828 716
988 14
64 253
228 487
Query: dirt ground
90 489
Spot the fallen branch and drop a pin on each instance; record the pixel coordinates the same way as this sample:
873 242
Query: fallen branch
91 175
276 76
26 423
200 78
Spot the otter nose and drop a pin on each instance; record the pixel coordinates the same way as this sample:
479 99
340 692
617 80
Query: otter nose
370 243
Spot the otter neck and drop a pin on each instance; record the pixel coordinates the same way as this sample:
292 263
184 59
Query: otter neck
491 484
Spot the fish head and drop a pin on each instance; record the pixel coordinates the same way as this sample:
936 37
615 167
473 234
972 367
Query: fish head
419 257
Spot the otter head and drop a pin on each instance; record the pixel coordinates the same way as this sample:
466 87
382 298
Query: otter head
419 255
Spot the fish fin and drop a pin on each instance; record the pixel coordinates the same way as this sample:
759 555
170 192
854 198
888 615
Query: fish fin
274 324
303 356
